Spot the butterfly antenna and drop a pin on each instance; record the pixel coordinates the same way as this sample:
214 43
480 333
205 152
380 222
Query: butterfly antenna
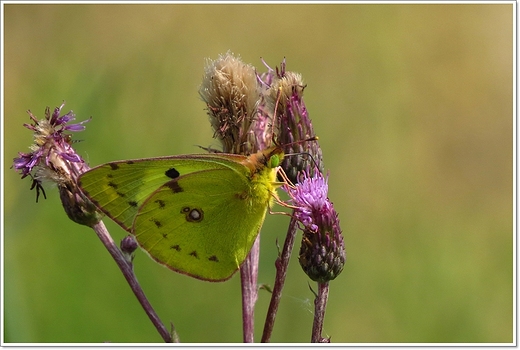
306 154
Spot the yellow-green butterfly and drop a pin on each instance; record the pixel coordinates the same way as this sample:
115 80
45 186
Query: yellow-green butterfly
196 214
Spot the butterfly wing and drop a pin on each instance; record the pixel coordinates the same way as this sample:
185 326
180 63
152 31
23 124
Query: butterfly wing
196 214
202 224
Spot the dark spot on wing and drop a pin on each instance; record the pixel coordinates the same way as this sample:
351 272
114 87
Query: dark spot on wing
160 202
156 222
164 235
113 185
174 186
176 247
193 214
121 194
114 166
110 176
172 173
213 258
132 204
194 254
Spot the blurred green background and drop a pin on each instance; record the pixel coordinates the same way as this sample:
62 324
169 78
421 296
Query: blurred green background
413 107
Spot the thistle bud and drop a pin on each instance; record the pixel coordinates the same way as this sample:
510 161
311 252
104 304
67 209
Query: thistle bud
128 246
322 254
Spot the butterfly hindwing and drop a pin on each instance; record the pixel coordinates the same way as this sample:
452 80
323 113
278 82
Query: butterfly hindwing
202 224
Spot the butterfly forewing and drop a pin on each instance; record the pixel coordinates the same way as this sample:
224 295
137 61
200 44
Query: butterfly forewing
119 188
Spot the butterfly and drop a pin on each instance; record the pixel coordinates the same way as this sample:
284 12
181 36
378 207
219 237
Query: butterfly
196 214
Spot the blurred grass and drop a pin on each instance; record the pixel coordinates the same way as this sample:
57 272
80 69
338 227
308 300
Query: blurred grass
413 107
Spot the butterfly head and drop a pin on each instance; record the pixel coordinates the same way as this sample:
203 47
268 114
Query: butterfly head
274 157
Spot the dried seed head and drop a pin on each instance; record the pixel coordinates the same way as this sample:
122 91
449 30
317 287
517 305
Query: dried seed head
229 89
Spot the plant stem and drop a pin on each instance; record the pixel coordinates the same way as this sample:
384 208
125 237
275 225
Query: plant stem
248 282
130 277
320 303
281 264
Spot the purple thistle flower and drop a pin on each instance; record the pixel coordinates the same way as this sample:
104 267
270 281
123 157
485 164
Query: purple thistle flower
53 159
266 79
322 253
27 161
50 140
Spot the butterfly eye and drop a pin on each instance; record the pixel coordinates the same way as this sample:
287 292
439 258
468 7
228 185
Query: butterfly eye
193 214
274 161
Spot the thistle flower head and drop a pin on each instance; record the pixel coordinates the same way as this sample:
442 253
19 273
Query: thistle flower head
51 143
229 89
52 159
322 252
282 103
